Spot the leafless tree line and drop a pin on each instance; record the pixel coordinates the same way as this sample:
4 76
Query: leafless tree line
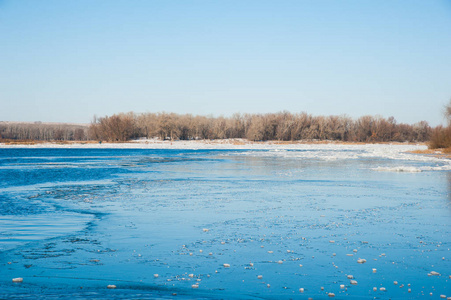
43 131
282 126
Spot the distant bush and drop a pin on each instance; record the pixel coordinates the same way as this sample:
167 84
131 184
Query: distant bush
440 138
37 131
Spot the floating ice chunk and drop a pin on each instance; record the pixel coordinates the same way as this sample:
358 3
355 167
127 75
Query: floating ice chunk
374 288
332 241
361 260
195 286
18 279
301 290
205 230
300 266
350 277
374 270
111 286
382 289
251 264
354 282
190 275
395 282
280 262
260 276
226 265
398 169
270 252
342 286
409 290
155 275
268 285
433 273
331 295
443 296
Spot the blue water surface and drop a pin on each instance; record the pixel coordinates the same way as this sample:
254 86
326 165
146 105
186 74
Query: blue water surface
219 224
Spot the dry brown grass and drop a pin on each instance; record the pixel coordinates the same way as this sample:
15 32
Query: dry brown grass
440 152
36 142
19 142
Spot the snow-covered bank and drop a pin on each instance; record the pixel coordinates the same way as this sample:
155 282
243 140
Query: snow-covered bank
214 144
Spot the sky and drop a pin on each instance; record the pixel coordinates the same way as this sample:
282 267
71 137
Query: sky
66 61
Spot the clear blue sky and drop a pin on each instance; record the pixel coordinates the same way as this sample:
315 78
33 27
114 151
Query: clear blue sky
64 61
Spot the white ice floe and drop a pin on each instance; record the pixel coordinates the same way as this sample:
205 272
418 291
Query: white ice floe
18 279
326 152
398 169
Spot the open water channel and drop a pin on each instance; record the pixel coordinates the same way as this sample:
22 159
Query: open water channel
361 222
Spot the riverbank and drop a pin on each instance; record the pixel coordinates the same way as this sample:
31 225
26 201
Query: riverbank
193 144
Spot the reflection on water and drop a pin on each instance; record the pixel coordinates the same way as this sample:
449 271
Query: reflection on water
221 224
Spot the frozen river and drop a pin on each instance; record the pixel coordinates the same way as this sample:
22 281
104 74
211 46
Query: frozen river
304 221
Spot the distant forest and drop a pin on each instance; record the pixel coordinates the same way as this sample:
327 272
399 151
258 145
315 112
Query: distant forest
282 126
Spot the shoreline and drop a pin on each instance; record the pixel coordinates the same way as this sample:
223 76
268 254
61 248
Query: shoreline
420 148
